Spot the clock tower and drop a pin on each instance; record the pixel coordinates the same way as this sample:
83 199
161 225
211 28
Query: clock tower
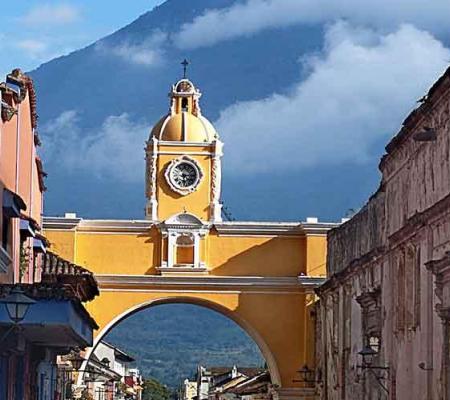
183 161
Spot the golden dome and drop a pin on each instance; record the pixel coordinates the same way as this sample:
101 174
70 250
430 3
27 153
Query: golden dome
184 123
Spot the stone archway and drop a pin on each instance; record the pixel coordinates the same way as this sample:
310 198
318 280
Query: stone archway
241 322
260 275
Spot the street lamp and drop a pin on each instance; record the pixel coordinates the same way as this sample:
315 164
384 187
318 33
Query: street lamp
307 375
367 353
106 362
77 361
17 304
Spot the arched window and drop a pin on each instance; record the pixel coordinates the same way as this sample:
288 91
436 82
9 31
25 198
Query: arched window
184 104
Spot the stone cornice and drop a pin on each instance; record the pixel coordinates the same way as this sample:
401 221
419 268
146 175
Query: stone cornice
440 267
353 268
432 99
414 223
60 223
224 228
208 282
311 281
273 228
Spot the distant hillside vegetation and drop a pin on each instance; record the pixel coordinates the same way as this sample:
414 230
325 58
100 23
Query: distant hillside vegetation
169 341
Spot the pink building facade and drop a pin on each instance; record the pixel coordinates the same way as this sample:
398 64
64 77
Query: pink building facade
21 181
389 273
56 320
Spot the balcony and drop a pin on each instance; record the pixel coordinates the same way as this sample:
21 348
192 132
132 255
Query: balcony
58 318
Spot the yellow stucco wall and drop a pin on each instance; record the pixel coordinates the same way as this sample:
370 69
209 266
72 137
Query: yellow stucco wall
140 253
198 202
253 255
279 320
316 255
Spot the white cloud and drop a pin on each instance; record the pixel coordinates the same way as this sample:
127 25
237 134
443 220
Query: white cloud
147 53
253 16
51 14
358 91
115 150
34 48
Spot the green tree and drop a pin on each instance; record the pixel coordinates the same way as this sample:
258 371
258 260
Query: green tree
155 390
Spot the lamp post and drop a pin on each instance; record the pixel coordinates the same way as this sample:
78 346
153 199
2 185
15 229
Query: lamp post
77 362
307 375
17 305
368 354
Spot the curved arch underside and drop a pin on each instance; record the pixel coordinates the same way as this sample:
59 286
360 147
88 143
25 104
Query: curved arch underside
247 327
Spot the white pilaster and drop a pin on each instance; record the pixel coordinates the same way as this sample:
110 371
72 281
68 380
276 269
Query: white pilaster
151 209
196 250
170 249
216 183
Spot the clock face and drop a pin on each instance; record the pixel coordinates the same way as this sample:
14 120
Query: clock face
184 175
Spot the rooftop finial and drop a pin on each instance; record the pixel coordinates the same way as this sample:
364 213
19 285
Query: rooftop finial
185 64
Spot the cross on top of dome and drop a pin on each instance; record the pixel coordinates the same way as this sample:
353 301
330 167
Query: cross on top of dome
185 64
184 122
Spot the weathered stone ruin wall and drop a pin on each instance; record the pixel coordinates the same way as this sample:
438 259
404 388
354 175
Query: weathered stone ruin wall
389 271
358 236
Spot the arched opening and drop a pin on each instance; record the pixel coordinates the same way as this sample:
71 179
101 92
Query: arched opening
184 104
184 252
267 358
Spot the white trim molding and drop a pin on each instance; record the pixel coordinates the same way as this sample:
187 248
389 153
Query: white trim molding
231 228
311 281
216 183
272 228
151 209
61 223
207 282
182 270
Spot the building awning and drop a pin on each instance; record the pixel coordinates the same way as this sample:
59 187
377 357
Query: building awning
56 322
39 245
27 228
12 204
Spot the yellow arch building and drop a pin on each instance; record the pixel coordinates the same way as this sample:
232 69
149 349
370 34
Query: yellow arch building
259 274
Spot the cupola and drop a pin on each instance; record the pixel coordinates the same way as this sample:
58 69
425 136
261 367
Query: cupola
184 122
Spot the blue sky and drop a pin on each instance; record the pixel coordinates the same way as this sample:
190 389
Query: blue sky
35 31
377 58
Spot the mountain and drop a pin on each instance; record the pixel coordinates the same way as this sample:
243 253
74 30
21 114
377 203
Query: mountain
96 83
169 341
79 93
